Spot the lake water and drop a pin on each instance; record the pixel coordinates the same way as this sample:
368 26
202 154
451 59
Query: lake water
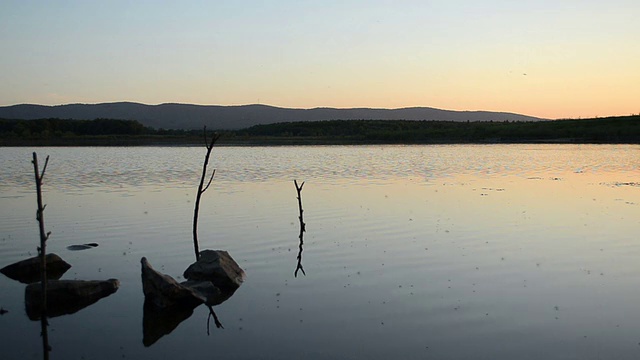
411 252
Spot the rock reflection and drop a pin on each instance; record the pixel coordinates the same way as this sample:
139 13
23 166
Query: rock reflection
168 303
158 322
62 297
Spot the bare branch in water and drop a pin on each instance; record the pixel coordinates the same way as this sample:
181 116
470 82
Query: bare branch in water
210 180
302 229
202 188
44 168
42 251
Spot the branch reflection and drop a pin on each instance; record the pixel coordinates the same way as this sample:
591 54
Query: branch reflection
302 230
62 297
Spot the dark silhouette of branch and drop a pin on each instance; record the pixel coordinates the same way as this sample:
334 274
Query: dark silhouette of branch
202 188
302 229
215 319
210 179
42 251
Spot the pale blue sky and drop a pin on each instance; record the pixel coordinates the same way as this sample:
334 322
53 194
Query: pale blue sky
581 58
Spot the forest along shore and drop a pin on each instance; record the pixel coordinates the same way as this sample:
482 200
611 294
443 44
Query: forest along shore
113 132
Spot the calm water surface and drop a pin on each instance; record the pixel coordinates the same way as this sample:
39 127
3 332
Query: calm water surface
411 252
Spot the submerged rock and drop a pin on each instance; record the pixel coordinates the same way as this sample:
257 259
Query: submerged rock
66 296
28 271
218 267
82 247
163 291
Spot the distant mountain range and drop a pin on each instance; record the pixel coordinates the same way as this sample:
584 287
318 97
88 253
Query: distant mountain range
186 116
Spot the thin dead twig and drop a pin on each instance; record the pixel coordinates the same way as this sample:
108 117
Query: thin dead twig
201 188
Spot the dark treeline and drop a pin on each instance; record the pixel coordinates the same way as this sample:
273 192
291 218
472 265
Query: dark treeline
624 129
44 128
55 131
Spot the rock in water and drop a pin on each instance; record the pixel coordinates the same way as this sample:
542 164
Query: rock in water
204 288
218 267
82 247
163 291
66 296
28 271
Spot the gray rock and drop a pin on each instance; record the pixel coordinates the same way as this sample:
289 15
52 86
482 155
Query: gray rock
163 291
28 271
204 288
66 296
218 267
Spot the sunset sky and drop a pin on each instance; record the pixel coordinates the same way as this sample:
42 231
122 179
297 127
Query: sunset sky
546 58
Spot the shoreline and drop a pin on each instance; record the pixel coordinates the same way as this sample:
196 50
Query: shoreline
271 141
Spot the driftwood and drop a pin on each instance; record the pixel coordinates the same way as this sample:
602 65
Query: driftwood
302 229
202 188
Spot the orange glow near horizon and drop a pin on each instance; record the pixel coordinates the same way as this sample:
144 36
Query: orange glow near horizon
545 58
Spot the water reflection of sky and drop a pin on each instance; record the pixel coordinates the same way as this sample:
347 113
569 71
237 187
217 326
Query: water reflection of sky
148 166
524 251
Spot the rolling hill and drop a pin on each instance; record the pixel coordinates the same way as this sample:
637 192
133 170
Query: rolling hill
186 116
